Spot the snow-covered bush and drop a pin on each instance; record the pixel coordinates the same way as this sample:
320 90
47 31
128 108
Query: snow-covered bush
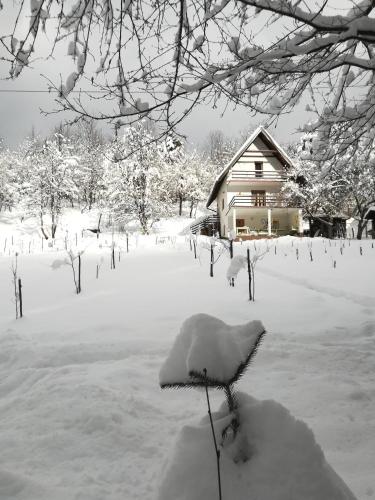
262 452
73 256
236 264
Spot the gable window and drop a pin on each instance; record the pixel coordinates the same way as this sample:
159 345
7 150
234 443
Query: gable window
258 169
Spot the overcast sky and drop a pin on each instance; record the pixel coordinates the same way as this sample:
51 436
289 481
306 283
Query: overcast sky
20 111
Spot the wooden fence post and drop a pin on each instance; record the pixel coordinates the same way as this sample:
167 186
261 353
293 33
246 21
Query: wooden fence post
249 273
79 274
212 261
20 296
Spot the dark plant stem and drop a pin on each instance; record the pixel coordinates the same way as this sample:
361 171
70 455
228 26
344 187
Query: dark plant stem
217 451
230 398
212 262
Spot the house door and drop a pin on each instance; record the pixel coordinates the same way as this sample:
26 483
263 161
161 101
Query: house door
259 198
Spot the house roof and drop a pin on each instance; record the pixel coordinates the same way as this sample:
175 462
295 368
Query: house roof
266 137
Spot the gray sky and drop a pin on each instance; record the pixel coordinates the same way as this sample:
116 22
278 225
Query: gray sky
20 111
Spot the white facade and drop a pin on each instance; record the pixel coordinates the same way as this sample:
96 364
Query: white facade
248 191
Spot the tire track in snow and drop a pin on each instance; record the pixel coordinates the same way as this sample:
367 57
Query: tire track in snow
362 300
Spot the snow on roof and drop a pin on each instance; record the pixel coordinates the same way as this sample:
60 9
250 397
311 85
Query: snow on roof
257 132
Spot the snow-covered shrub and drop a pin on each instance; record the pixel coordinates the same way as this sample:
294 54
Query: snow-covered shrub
70 260
210 353
269 455
236 264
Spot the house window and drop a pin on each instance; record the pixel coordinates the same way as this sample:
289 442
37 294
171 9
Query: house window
258 198
240 222
258 169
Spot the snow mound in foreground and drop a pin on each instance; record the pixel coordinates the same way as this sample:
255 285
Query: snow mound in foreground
206 342
285 461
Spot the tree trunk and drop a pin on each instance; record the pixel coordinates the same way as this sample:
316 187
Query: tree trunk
99 221
191 208
361 226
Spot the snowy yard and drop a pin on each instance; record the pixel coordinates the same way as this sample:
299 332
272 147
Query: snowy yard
82 414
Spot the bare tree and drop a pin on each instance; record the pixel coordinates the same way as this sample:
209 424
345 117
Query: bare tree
162 58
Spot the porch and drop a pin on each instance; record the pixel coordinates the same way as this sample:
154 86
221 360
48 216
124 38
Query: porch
261 222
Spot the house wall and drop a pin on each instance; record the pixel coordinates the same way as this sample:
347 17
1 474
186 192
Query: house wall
247 164
222 197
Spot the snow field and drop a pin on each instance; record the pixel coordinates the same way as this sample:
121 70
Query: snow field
82 414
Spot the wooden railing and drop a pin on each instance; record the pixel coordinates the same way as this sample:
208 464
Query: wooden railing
258 175
210 223
258 200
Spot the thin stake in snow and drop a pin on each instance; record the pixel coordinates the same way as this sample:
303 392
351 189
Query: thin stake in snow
310 250
79 274
212 260
15 282
20 297
249 274
113 263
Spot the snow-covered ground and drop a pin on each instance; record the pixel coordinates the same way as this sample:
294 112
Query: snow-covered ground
82 414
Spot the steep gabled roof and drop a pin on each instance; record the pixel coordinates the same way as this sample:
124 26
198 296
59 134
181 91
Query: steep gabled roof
268 140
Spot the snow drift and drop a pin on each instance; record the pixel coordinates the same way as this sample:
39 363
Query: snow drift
285 461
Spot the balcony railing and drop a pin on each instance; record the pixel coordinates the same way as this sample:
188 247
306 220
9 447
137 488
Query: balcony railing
256 175
268 200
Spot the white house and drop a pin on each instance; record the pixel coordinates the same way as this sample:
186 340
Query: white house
248 191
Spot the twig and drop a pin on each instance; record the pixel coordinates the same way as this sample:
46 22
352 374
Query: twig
217 451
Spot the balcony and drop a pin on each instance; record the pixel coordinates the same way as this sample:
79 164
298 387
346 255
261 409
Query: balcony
267 200
256 175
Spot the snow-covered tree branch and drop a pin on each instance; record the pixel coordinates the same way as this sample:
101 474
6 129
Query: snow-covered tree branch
161 58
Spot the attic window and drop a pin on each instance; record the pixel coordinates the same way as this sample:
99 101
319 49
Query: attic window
258 169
